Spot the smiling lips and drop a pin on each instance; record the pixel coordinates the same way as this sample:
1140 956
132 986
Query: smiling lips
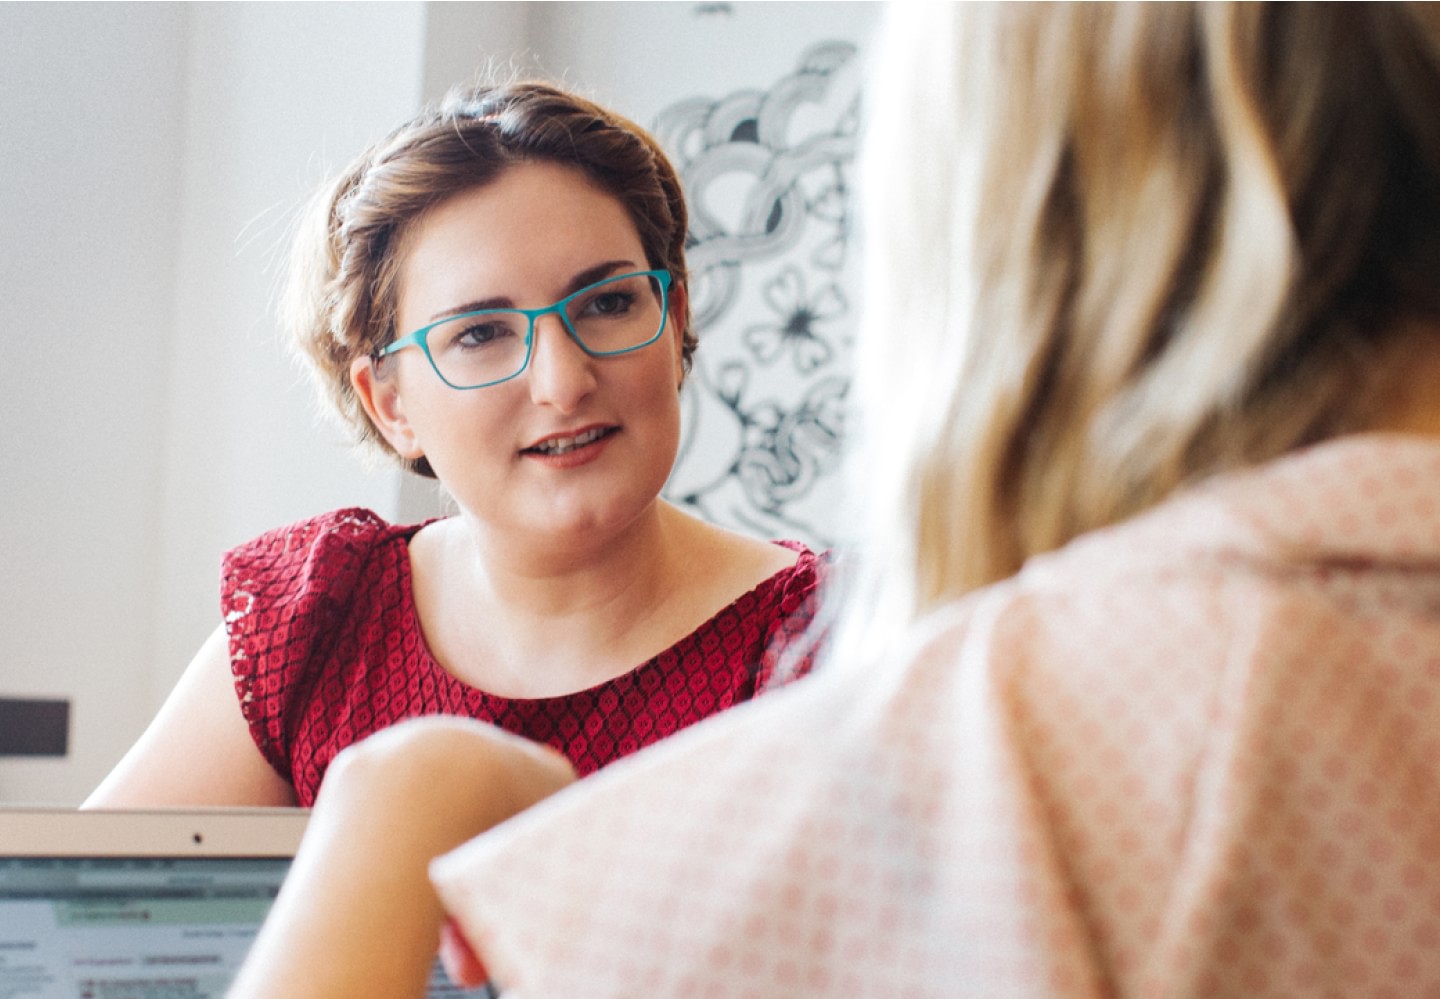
555 446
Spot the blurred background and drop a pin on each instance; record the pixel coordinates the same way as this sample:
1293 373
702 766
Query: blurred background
155 155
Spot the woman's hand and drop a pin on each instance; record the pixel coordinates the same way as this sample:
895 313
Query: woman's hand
357 915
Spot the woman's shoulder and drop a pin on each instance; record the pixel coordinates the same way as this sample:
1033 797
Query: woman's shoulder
317 556
290 595
735 564
806 572
770 578
349 528
786 606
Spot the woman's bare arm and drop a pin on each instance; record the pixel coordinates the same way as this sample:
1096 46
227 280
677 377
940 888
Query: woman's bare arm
198 750
357 915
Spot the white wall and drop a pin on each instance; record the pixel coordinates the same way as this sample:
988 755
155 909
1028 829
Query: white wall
91 124
155 155
278 97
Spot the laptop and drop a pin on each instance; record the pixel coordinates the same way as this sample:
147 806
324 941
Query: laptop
141 904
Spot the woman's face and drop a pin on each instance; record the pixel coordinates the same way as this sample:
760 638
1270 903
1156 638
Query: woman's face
575 446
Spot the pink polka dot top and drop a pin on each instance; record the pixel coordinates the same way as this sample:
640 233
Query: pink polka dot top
1192 756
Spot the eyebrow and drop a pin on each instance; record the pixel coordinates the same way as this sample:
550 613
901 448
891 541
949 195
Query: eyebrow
586 277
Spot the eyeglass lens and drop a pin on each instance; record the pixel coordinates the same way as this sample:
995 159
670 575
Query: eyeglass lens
609 317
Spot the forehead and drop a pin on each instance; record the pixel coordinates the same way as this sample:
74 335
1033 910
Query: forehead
526 233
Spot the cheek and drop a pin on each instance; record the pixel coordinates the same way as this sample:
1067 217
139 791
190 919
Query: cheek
670 435
414 380
654 409
670 405
447 422
661 388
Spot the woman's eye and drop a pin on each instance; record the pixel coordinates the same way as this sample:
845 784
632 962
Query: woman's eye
610 303
473 335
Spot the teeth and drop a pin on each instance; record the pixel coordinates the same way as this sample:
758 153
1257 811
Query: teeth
563 445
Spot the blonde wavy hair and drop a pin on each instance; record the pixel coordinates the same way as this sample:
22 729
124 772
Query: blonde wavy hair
1117 248
342 290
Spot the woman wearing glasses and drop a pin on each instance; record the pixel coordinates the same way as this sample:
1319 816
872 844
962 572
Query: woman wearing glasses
496 296
1140 693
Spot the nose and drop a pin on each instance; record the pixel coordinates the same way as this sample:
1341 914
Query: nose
561 375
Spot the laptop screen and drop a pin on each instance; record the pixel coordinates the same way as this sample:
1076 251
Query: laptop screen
106 923
104 928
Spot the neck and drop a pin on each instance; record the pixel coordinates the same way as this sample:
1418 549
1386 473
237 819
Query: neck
523 621
548 576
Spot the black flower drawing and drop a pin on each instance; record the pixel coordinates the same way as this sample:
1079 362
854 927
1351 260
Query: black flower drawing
767 176
800 319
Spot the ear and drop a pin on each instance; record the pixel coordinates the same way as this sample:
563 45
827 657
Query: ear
679 308
380 397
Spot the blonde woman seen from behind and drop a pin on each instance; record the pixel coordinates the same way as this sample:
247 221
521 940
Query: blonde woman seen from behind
1136 692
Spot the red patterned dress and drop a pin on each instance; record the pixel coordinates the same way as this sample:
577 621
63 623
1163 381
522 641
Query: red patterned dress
326 648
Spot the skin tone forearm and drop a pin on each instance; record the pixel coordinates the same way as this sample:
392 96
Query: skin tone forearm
198 750
357 916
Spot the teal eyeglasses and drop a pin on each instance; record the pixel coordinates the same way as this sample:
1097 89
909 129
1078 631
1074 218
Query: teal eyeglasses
479 349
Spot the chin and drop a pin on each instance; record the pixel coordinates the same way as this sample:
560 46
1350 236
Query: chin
591 521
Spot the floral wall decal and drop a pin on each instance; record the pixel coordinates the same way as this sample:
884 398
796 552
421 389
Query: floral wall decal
771 254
